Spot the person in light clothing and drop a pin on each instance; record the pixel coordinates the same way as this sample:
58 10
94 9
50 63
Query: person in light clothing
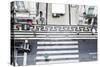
40 19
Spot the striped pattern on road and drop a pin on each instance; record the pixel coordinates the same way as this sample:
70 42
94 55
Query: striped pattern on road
30 33
60 61
57 47
55 52
62 42
23 38
58 56
61 51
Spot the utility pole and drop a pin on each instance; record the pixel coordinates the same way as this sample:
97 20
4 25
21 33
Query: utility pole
46 13
25 54
69 14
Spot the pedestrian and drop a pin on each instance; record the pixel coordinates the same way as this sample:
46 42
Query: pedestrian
40 19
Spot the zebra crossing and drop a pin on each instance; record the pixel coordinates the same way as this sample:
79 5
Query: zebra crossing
57 51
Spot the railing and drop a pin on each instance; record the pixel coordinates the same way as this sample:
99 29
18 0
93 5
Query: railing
25 31
56 28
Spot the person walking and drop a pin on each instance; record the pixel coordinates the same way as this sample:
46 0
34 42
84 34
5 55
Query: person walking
40 19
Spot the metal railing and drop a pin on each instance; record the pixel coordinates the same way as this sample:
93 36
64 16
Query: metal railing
56 28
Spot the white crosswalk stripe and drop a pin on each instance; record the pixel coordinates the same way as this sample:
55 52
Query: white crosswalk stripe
60 61
58 56
56 52
71 53
62 42
57 47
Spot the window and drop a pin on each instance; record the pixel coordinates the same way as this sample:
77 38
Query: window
20 5
90 10
58 8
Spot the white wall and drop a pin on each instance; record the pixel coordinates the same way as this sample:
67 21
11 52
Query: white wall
74 15
63 20
42 7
